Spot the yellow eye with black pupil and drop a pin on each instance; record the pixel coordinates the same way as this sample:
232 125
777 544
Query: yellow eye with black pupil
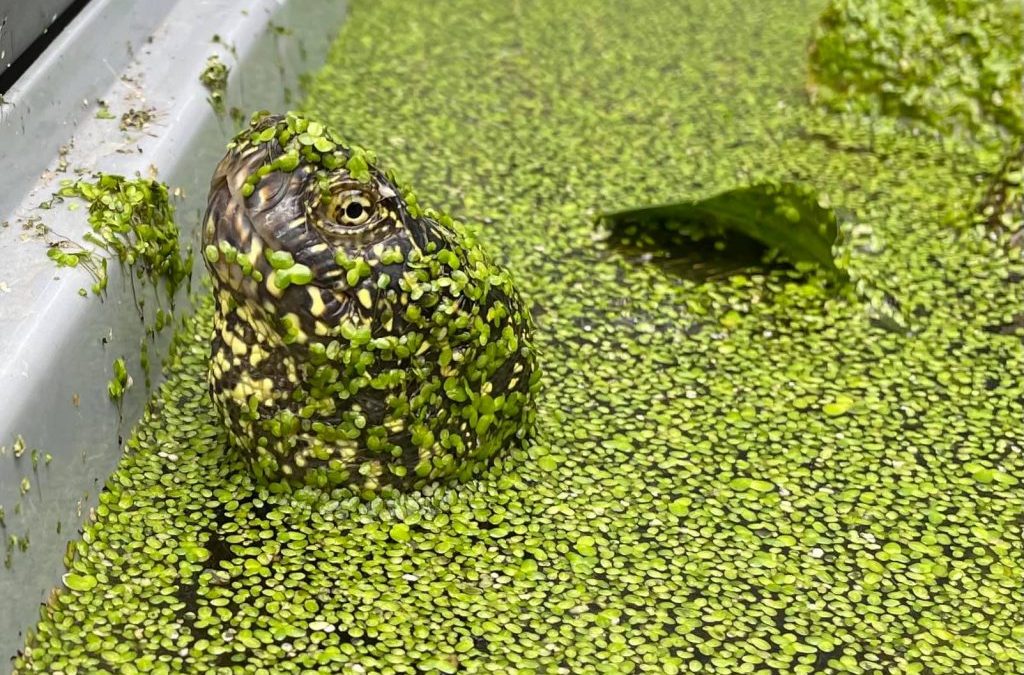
350 209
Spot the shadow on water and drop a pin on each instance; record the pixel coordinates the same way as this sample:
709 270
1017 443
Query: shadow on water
695 258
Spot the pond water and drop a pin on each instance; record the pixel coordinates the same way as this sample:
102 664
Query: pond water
736 472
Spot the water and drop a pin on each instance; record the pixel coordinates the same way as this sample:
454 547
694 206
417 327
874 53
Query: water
740 470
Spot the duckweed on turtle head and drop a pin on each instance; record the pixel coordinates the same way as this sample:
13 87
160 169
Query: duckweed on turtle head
360 339
741 474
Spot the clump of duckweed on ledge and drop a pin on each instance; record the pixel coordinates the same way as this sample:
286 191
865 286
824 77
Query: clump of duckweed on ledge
739 474
132 220
215 78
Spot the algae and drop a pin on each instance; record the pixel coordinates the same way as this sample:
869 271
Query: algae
737 474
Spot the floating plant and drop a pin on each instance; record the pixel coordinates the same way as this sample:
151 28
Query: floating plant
735 475
947 64
132 221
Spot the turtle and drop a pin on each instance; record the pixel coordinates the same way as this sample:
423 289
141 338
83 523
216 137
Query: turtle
360 340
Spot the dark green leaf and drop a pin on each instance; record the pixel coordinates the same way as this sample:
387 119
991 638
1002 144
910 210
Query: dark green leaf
786 217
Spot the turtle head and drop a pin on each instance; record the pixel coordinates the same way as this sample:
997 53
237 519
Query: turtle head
357 338
292 211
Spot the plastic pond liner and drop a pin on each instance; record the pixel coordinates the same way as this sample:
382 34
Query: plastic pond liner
737 467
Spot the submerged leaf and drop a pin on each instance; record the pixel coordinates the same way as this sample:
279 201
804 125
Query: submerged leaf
787 218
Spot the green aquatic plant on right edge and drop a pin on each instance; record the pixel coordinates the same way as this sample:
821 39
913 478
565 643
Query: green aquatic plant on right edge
947 63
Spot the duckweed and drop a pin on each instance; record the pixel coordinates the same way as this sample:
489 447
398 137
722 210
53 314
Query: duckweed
1000 210
133 221
119 382
744 473
215 78
103 112
945 63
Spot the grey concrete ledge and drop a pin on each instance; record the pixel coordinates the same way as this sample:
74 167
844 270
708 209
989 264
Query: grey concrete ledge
56 347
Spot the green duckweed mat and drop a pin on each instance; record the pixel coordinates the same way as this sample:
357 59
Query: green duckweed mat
741 472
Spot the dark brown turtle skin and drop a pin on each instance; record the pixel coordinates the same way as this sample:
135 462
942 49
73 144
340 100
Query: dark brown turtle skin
359 340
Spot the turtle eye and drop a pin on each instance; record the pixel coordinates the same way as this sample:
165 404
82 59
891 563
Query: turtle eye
351 209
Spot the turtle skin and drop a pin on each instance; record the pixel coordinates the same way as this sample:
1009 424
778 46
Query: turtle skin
359 340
